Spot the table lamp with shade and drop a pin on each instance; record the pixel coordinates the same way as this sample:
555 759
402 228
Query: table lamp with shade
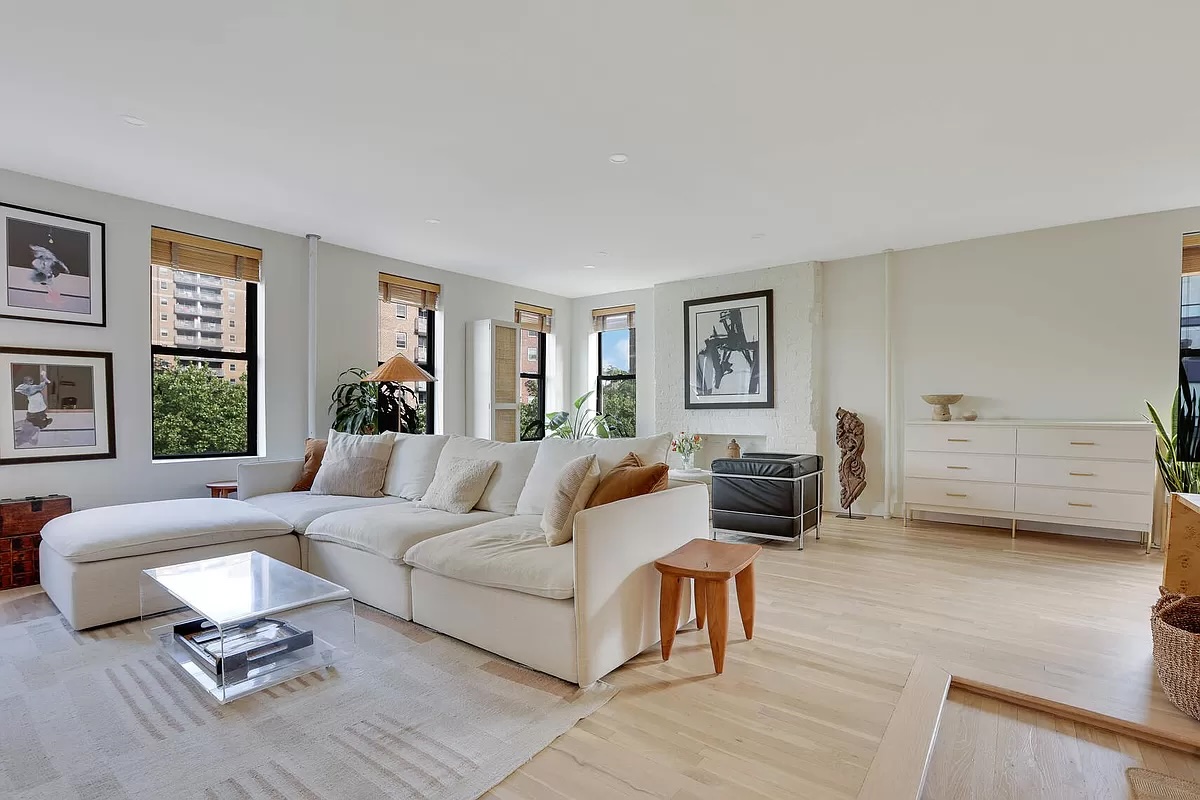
395 372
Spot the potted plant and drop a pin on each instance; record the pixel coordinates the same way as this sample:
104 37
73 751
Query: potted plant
1177 475
582 423
686 444
362 407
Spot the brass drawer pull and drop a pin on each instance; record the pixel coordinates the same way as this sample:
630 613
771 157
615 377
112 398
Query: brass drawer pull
955 494
949 467
1079 505
1082 443
1082 474
958 440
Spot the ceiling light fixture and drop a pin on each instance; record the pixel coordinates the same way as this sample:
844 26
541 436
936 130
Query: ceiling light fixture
432 221
618 158
759 236
136 122
589 266
601 253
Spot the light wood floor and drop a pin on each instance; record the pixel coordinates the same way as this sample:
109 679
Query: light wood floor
990 749
800 709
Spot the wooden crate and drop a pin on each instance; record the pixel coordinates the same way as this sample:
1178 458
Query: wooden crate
21 524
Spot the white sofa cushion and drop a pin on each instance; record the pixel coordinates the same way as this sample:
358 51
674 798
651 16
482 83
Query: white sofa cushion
412 465
99 534
458 484
507 553
299 509
389 531
354 465
572 491
513 462
554 454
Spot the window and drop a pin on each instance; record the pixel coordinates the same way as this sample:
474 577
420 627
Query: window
232 338
233 323
204 387
162 284
163 334
162 301
534 322
407 306
616 379
162 317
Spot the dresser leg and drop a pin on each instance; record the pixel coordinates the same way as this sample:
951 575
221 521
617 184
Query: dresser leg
1014 529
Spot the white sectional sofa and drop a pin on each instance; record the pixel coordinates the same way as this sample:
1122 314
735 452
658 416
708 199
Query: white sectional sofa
576 611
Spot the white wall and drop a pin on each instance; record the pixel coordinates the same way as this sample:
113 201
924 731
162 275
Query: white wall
793 423
132 476
1075 322
586 362
347 324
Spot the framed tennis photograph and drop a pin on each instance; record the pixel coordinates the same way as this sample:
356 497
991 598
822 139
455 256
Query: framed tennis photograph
59 404
727 345
53 267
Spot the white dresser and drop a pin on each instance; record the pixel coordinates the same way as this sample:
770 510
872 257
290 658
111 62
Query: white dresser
1099 474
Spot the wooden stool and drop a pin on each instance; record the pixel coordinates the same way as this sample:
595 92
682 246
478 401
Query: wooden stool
710 565
221 488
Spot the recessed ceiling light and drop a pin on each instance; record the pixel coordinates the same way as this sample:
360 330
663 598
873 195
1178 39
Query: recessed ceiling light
136 122
759 236
618 158
432 221
601 253
589 266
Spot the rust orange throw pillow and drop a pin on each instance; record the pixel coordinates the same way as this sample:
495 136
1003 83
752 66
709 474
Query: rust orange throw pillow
314 451
629 478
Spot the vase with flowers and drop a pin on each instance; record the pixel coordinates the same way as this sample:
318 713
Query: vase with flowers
686 444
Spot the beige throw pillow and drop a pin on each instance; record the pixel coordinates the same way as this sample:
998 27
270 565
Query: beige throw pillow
353 465
458 484
571 493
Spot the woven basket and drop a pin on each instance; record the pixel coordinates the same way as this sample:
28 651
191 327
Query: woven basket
1175 625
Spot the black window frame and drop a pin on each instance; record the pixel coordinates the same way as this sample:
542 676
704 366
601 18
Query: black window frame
391 421
538 431
601 378
249 356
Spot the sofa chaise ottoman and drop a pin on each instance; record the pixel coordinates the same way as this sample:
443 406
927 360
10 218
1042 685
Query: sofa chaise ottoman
91 560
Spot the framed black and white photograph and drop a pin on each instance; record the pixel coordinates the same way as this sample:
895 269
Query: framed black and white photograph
728 358
53 267
59 404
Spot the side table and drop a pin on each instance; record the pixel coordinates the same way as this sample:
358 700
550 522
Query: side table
221 488
710 564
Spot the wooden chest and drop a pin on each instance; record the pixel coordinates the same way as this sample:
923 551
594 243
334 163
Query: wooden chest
21 524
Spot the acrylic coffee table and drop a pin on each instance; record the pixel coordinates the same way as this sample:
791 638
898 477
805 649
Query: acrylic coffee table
254 622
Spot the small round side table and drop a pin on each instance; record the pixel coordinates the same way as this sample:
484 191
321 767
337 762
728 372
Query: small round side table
710 564
221 488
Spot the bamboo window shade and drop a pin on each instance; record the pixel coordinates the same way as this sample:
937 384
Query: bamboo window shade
614 318
533 318
1191 254
394 289
178 250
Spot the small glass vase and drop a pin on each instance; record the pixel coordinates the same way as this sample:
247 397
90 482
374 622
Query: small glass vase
689 461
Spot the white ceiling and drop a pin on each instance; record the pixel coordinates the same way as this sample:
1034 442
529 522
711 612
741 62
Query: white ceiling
834 128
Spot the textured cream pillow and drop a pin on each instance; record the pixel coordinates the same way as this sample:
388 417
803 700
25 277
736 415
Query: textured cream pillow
458 484
572 490
353 465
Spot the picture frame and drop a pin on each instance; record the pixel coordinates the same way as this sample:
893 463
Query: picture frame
59 405
729 351
54 267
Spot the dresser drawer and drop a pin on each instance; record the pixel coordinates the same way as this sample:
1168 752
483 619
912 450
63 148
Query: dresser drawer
1083 504
1120 476
959 494
950 437
1086 443
960 466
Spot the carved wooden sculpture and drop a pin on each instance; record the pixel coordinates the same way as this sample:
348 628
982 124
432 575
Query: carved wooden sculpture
852 472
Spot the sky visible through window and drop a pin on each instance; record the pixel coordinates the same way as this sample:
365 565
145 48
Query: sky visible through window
615 351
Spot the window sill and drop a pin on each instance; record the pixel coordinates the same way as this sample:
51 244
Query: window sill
203 459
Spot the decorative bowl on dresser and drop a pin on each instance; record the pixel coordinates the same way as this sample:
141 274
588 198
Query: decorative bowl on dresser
1095 474
21 522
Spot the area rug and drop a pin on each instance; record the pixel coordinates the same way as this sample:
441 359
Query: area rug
105 714
1150 785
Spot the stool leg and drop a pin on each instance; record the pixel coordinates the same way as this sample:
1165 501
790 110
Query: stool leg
717 599
701 604
668 612
745 594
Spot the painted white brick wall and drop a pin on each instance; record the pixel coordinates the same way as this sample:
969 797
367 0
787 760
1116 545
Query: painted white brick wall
793 424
